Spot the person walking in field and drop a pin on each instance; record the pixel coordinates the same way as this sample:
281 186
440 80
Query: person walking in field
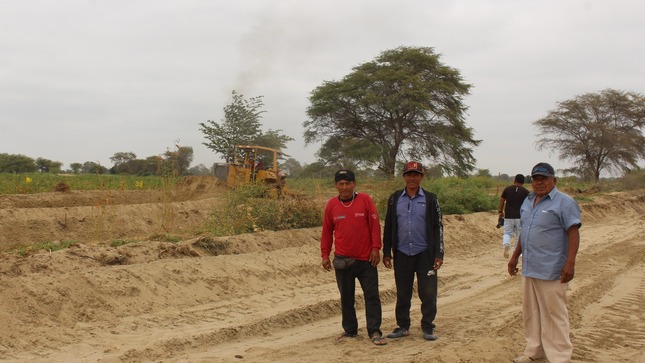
352 227
509 209
548 245
413 238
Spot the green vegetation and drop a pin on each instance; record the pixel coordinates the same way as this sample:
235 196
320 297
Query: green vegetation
404 102
47 246
45 182
462 196
165 237
253 208
598 132
241 126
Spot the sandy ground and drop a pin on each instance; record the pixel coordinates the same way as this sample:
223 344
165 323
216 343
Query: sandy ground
263 297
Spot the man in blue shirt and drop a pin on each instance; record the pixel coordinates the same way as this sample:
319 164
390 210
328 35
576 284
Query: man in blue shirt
548 244
414 233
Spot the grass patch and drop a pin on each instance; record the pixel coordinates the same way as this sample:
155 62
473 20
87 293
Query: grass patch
250 208
30 183
165 237
121 242
45 246
463 196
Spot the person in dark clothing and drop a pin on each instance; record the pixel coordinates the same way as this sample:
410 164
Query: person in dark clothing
351 224
413 239
509 209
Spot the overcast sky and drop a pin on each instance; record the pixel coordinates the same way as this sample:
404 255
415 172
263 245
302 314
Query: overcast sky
83 79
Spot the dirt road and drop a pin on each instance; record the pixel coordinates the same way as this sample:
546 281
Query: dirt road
264 298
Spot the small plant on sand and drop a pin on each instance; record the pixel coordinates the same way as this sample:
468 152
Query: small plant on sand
165 238
46 246
121 242
249 208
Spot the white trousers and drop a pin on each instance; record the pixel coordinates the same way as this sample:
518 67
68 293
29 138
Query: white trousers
546 320
512 229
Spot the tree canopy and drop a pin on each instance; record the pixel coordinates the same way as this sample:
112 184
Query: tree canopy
406 104
17 163
241 126
123 157
597 131
48 166
172 162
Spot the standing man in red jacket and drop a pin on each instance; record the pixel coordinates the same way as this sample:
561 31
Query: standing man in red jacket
351 224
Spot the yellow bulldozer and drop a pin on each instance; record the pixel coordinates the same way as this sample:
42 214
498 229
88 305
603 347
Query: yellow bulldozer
256 164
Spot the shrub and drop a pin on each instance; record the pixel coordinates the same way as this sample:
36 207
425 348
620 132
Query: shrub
462 196
253 208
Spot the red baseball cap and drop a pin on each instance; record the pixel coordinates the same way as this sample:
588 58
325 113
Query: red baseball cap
413 166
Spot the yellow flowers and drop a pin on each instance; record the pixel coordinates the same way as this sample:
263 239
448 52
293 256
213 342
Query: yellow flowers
28 180
138 184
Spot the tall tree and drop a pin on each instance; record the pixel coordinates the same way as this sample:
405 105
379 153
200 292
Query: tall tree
180 158
241 125
406 104
48 166
272 139
292 167
16 163
350 153
91 167
123 157
597 131
75 167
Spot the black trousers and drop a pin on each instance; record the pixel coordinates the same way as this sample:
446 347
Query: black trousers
405 267
367 276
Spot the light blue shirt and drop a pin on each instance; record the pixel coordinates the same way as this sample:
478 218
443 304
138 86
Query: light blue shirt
411 223
544 239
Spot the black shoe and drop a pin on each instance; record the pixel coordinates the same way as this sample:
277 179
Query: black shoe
399 333
429 335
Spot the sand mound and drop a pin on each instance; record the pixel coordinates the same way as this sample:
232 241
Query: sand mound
99 215
263 297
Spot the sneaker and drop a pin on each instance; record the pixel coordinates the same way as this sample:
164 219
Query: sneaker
525 359
399 333
506 248
429 335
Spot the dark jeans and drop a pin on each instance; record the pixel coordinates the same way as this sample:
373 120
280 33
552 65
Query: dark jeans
367 275
405 267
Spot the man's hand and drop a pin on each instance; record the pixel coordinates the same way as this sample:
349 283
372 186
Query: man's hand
375 257
326 264
567 273
387 262
437 263
512 266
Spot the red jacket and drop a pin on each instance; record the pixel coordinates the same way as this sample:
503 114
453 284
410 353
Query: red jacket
353 228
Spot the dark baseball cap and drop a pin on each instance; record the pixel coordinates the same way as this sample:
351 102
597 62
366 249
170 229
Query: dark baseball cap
414 166
344 174
543 169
